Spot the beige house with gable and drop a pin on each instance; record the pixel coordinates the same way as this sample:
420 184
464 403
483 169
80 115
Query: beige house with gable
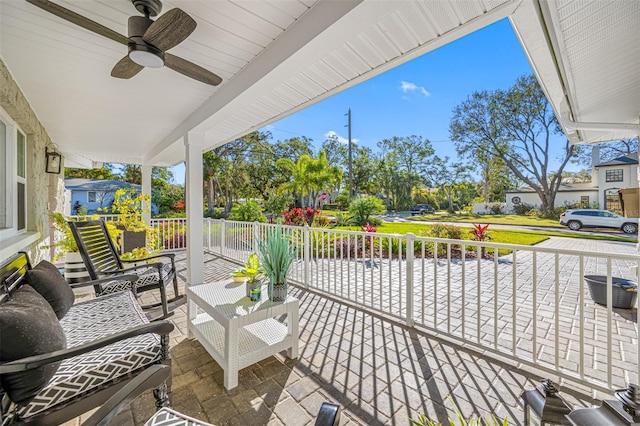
607 179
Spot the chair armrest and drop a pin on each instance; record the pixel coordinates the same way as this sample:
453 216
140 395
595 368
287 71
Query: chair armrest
150 378
155 256
131 269
128 277
156 327
329 415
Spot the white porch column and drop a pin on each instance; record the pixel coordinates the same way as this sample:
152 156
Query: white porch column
193 180
146 189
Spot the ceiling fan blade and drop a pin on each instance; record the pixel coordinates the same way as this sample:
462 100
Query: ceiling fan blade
79 20
191 70
126 68
170 29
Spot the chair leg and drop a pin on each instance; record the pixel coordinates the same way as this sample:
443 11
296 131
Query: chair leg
164 302
161 395
175 286
163 297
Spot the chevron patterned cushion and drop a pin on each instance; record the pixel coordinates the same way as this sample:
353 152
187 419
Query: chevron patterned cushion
150 275
114 286
169 417
87 321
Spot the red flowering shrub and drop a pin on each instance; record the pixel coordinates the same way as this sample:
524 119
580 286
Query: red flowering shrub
480 232
300 217
368 228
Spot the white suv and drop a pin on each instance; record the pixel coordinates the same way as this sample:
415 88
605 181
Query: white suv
576 219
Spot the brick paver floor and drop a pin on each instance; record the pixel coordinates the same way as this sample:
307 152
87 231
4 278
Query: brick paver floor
379 370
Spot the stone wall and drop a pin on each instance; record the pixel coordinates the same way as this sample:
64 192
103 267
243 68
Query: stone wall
45 190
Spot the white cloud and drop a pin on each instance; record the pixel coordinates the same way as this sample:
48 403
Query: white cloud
341 139
407 87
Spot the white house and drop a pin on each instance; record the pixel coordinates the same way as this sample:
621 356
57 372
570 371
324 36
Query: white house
607 179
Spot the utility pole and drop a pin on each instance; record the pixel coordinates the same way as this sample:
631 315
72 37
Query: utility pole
348 114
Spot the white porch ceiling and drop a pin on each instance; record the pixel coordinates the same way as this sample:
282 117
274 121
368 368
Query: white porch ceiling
586 54
278 56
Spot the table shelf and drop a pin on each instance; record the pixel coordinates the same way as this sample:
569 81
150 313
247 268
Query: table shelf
256 341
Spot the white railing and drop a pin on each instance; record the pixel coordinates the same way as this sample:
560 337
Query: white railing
106 217
525 303
171 232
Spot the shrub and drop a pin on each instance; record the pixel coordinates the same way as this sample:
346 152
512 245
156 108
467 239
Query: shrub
276 203
496 208
362 208
321 220
300 217
177 240
522 209
249 211
342 201
440 230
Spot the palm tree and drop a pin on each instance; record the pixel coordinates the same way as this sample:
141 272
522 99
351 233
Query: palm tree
310 176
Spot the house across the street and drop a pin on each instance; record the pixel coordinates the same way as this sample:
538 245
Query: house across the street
608 178
92 194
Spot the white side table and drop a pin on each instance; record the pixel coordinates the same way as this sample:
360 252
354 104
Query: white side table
238 332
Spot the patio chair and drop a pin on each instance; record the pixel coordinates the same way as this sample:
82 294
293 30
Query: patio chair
101 259
329 414
60 359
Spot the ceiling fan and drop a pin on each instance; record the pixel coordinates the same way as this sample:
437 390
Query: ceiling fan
148 40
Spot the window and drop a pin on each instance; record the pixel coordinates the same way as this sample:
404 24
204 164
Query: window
92 197
614 175
13 178
584 201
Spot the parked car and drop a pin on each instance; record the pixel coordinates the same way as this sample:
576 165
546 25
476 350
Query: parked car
422 209
583 218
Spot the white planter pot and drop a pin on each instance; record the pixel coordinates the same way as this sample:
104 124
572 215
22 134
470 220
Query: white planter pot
76 272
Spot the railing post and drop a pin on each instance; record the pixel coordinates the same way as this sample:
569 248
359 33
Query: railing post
222 238
254 237
306 254
409 278
209 233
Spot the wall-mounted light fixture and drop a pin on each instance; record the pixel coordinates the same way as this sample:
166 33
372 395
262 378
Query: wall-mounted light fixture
54 161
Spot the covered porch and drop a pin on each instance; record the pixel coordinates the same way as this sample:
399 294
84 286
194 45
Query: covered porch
378 369
56 93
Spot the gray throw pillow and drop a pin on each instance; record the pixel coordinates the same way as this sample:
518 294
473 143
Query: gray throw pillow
47 280
28 327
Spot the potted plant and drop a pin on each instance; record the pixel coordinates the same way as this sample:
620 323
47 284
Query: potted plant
252 272
277 256
136 233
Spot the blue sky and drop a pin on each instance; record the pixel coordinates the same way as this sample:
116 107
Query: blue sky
416 98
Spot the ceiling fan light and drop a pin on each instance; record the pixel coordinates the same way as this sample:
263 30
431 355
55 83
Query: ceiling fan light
146 59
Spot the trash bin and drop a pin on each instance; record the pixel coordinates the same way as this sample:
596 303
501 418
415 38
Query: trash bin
624 292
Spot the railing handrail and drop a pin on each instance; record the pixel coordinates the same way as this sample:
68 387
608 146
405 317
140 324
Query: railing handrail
517 305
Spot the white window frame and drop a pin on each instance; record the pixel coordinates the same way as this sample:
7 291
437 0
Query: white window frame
95 196
11 187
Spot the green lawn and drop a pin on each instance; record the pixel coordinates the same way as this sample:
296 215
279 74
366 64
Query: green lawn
505 219
497 235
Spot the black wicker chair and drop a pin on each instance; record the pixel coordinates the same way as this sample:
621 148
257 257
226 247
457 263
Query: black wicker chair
103 344
101 259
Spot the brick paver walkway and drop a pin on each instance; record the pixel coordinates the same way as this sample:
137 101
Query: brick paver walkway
379 370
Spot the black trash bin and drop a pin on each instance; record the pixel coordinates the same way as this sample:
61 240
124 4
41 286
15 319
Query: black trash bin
624 292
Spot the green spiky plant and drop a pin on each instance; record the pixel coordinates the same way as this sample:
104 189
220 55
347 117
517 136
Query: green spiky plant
277 256
422 420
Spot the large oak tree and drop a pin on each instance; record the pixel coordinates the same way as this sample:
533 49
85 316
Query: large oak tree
516 125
